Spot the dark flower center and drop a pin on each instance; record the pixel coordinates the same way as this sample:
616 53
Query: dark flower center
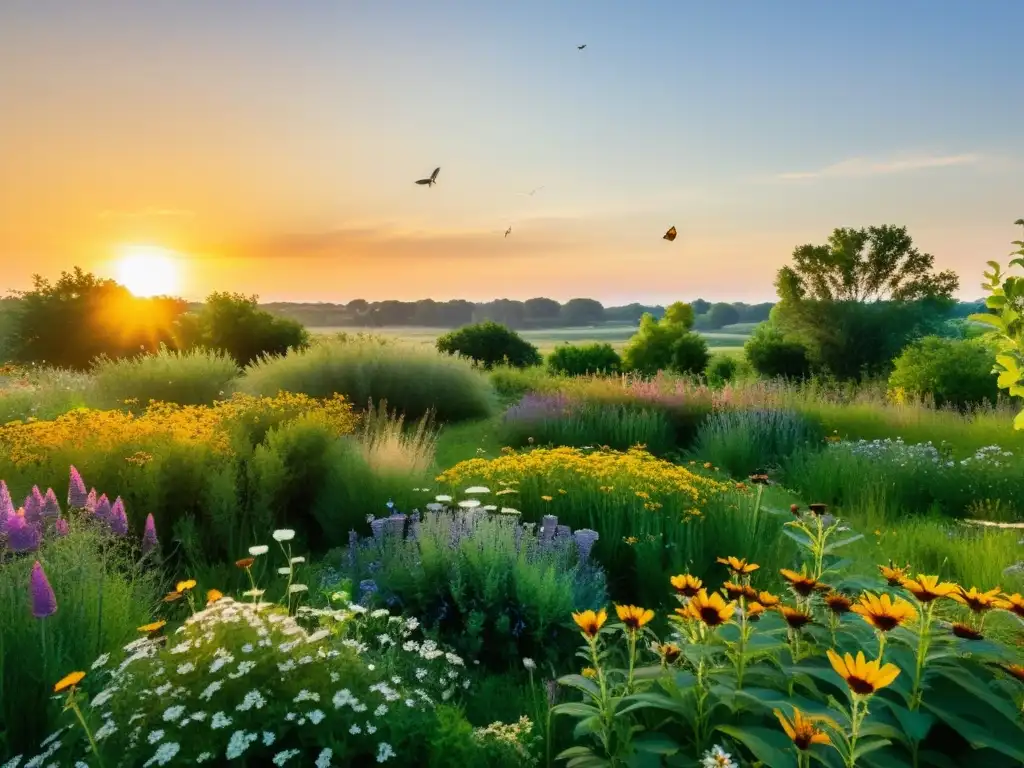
804 588
860 686
710 616
797 620
886 622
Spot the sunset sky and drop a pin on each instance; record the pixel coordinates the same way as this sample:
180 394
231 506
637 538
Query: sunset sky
272 146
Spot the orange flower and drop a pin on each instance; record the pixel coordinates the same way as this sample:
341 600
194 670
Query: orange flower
710 609
633 617
979 602
754 611
590 622
69 681
739 566
734 591
213 596
245 562
838 603
802 730
1014 604
796 618
667 652
966 631
155 626
863 677
686 585
801 583
892 574
883 613
185 586
768 600
928 588
170 597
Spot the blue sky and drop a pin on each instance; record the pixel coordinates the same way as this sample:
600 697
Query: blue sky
272 145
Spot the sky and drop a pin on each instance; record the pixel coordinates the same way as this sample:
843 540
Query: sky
272 146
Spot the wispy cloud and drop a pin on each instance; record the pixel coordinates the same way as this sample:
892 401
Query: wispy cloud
858 167
147 213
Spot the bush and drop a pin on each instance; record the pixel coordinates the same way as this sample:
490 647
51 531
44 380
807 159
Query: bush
486 584
745 441
234 324
512 383
102 595
653 347
579 360
772 354
489 344
690 354
949 371
721 369
722 314
196 377
413 381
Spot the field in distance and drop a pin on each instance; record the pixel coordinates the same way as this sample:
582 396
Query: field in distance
729 339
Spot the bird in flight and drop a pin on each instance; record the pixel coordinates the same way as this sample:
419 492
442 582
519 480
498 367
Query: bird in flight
671 234
532 192
581 47
508 231
432 180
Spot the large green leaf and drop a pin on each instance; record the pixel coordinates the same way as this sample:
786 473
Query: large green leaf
980 736
864 747
985 696
576 709
842 543
652 700
580 683
915 724
772 748
987 319
655 743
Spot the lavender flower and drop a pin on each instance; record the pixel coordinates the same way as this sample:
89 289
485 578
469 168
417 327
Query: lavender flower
366 589
149 540
377 525
34 505
90 502
396 525
44 602
6 504
118 519
562 532
585 538
547 528
51 507
102 510
62 527
77 496
22 536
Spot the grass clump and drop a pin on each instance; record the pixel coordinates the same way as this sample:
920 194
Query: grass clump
413 381
195 377
744 441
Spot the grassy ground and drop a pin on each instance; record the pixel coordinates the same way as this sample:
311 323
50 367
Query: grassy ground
730 339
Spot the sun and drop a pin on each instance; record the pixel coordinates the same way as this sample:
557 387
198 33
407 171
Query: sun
148 271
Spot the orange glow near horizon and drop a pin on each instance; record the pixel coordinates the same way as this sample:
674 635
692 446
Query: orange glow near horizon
148 271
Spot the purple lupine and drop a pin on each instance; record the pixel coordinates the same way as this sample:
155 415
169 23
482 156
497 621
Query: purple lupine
585 538
62 527
22 536
77 495
118 518
90 502
102 510
51 507
44 602
6 504
149 540
34 505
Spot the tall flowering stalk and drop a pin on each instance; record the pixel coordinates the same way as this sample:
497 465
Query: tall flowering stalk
149 539
44 603
70 683
77 494
863 678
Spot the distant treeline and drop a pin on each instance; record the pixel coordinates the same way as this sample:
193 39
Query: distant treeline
532 313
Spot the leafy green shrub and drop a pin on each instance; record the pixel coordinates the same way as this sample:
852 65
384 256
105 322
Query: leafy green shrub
195 377
413 381
772 354
721 369
41 393
102 594
234 324
656 346
745 441
489 344
950 371
581 359
512 383
690 354
487 585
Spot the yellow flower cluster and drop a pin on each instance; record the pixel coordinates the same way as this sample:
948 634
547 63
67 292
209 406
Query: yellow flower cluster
637 472
25 443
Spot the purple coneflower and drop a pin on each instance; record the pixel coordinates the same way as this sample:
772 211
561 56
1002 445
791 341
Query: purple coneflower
118 518
44 602
34 505
51 507
62 527
22 536
77 495
149 540
103 508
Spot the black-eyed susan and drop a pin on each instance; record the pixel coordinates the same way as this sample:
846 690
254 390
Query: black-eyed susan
633 616
884 613
754 611
838 603
894 575
803 729
978 602
590 621
69 681
185 586
928 588
733 590
794 617
863 677
1014 604
768 600
667 652
686 585
966 631
213 595
738 565
818 508
711 609
152 627
802 583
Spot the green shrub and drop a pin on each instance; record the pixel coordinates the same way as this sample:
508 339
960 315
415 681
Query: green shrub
413 381
489 344
654 346
102 595
690 354
234 324
195 377
772 354
949 371
744 441
721 369
581 359
41 393
512 383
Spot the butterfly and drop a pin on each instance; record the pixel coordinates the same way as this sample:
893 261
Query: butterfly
581 47
433 178
508 231
671 234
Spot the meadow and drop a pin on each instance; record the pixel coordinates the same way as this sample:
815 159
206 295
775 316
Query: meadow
365 552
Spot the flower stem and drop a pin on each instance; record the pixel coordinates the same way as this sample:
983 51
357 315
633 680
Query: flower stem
923 641
73 706
856 716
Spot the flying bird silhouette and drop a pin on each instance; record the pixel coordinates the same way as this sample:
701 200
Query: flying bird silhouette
508 231
581 47
532 192
671 234
433 178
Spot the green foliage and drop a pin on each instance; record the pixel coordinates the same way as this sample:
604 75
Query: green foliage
489 344
772 354
195 377
864 265
1006 319
949 371
666 344
102 596
512 383
413 381
746 441
41 393
721 369
80 317
722 314
581 359
690 354
234 324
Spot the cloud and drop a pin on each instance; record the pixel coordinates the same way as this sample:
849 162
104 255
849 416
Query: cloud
147 213
859 167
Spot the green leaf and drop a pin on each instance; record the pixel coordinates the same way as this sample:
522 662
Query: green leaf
648 673
978 736
655 743
864 748
580 683
773 748
842 543
987 319
652 701
576 709
798 536
915 725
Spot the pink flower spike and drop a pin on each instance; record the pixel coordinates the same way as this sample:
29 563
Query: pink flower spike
44 602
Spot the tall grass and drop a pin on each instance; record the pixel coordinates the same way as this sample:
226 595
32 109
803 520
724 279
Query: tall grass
412 380
389 447
744 441
195 377
41 393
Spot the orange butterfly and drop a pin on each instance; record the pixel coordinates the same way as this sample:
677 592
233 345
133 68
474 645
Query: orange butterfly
671 234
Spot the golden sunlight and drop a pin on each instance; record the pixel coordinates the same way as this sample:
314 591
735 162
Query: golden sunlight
148 271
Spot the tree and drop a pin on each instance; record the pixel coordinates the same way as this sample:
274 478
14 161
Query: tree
582 312
873 264
700 307
667 344
773 355
234 324
949 371
540 310
722 314
579 360
489 344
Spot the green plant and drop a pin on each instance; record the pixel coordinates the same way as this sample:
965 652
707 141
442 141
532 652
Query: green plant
195 377
721 369
771 354
654 346
582 359
412 381
690 354
234 324
950 371
489 344
744 441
